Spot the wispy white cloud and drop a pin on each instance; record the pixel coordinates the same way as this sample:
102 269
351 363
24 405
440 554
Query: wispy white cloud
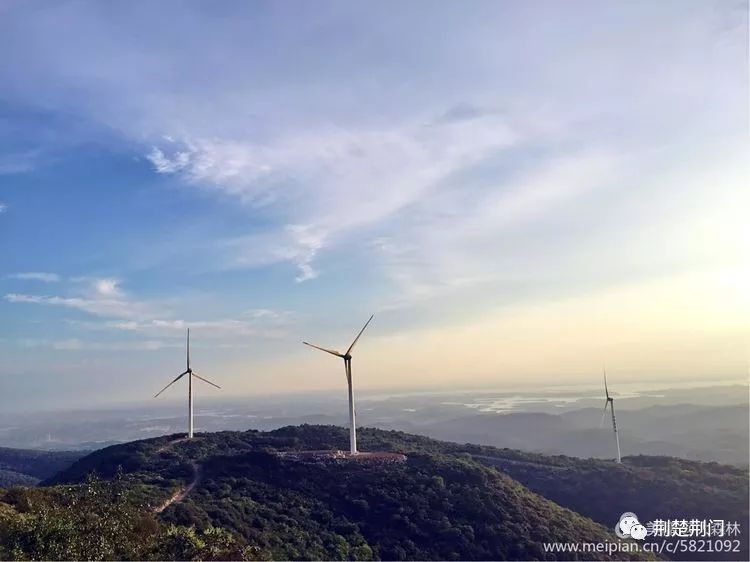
268 313
164 165
119 311
106 307
99 297
213 329
136 320
573 223
294 244
3 207
334 181
327 155
76 344
36 276
454 243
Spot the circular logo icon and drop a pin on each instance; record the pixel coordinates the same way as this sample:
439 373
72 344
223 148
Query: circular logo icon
627 523
638 532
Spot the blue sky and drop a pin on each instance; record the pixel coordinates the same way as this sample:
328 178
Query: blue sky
271 171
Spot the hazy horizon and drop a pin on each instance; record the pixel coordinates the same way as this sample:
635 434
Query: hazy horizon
521 193
696 421
559 391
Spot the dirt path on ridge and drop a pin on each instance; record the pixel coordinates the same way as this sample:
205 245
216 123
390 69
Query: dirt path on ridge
182 493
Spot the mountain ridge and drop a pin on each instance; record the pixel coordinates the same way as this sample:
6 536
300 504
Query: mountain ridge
27 467
243 479
434 505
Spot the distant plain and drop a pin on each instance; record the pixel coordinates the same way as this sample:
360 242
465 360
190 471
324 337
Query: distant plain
692 421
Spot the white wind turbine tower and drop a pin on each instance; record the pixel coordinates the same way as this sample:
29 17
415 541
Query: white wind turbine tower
611 403
347 357
191 373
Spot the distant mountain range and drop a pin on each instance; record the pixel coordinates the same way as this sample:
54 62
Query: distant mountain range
229 495
686 431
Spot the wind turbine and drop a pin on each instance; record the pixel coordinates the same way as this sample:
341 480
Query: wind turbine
191 373
611 403
347 357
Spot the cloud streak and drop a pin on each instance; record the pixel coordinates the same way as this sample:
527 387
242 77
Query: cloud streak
437 253
121 312
76 344
333 182
214 329
36 276
118 308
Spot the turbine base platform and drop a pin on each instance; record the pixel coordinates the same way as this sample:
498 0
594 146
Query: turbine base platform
337 456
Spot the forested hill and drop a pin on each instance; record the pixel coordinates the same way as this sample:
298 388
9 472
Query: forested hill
446 501
230 495
26 467
653 487
434 505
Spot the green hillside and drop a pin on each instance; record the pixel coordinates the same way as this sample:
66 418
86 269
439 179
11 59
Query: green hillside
101 520
229 495
25 467
10 478
435 505
653 487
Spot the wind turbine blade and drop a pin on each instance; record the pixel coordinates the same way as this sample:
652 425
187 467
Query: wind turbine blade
604 413
178 377
188 348
336 353
606 390
358 335
205 380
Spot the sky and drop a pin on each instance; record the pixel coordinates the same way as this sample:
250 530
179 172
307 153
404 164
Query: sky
519 191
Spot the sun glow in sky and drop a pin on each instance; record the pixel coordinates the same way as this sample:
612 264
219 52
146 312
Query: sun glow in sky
520 191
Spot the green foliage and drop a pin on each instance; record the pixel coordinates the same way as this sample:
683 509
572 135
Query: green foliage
33 464
185 543
447 501
652 487
439 504
98 521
